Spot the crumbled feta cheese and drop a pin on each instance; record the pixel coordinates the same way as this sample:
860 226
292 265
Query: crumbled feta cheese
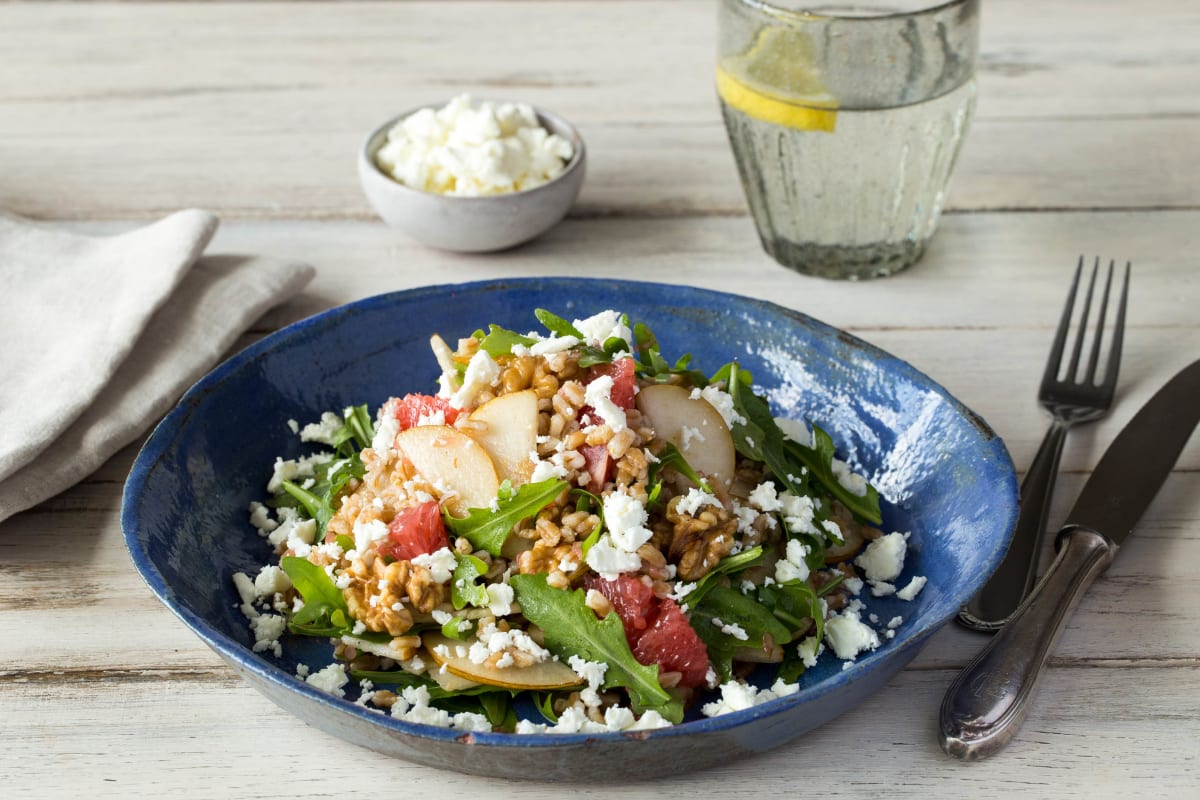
271 580
809 650
764 497
913 588
368 532
731 629
795 430
895 622
722 401
440 564
609 562
598 395
852 482
798 513
883 559
882 588
848 635
482 372
294 469
696 499
260 518
593 673
737 696
626 517
553 344
324 430
793 567
599 328
467 150
331 679
387 425
500 599
490 640
545 470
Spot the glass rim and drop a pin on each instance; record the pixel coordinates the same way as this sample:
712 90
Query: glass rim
773 8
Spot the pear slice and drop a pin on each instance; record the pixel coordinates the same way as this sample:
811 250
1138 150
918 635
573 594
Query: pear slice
508 433
450 459
543 676
447 679
696 428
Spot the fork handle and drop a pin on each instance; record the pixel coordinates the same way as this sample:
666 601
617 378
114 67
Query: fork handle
1012 581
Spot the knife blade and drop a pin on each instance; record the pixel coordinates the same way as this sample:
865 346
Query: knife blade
988 700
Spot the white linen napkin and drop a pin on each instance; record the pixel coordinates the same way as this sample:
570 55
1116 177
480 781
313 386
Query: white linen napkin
99 336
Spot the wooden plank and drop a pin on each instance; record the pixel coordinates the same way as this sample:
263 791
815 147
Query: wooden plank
143 737
243 88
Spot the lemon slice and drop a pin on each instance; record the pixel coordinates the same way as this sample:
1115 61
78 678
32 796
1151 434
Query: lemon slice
775 81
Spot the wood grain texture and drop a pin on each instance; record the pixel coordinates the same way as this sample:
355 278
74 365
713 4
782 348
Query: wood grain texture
256 110
1087 140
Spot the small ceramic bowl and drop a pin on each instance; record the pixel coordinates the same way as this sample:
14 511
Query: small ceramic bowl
472 224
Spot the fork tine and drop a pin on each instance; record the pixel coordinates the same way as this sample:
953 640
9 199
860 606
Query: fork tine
1114 353
1090 377
1054 360
1073 367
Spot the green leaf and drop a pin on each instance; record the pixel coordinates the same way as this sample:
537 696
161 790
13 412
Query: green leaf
556 324
356 432
325 612
819 461
464 590
499 341
315 507
652 366
572 628
670 456
726 566
498 708
454 628
794 603
733 608
544 702
488 530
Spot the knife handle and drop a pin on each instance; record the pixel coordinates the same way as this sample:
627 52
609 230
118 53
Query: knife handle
989 699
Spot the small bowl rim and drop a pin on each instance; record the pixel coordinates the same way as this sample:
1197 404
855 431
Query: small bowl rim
548 119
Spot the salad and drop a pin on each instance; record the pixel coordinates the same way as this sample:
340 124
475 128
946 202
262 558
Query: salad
571 523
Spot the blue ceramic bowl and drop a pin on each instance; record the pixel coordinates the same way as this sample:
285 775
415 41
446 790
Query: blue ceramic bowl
942 473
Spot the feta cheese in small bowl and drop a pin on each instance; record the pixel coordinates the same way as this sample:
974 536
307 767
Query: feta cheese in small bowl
473 177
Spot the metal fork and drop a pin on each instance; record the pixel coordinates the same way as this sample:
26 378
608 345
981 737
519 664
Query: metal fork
1071 399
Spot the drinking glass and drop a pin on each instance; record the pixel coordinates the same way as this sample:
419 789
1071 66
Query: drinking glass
845 122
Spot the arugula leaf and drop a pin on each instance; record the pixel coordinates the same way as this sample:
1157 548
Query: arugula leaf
572 628
652 365
819 461
499 341
794 603
454 628
728 565
464 590
670 456
325 612
544 702
556 324
734 608
498 708
586 501
487 529
356 432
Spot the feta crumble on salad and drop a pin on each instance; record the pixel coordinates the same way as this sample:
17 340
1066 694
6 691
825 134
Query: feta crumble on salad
574 523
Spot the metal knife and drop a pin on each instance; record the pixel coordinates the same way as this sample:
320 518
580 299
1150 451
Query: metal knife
988 700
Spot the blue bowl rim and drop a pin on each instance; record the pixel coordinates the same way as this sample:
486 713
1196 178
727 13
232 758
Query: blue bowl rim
903 647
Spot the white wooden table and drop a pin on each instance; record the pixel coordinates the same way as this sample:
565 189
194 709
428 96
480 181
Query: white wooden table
1087 140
